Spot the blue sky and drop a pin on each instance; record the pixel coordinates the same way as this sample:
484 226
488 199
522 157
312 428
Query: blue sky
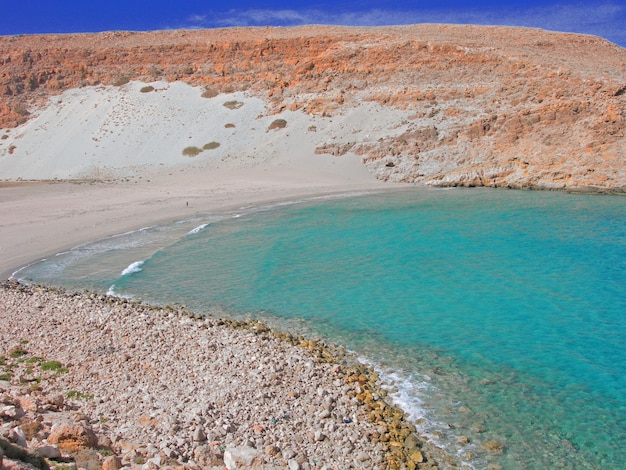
606 18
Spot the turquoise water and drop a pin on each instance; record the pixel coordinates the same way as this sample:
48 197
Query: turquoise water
494 315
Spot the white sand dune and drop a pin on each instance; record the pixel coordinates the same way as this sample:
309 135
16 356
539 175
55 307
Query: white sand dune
110 159
112 132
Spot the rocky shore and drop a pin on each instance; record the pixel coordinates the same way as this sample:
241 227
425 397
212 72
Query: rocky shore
91 381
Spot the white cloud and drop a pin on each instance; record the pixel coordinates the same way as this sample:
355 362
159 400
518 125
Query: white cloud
197 18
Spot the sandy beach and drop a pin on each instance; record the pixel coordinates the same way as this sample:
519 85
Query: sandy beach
155 424
221 421
40 219
72 179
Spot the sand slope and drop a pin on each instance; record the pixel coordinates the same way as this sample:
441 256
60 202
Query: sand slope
112 132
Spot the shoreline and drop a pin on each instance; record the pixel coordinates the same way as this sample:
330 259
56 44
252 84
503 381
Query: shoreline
332 393
45 218
212 212
343 192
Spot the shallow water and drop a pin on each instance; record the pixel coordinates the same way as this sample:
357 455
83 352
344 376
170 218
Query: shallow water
498 315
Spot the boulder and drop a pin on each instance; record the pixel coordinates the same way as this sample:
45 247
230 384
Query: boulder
72 438
112 462
16 435
48 451
242 458
208 456
20 456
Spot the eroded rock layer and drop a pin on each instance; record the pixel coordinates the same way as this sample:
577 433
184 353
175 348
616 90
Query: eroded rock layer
489 106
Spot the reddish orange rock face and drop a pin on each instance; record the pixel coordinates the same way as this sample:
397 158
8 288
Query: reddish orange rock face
481 99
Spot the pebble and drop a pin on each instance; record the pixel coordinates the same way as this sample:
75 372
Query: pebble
159 387
199 435
324 414
494 446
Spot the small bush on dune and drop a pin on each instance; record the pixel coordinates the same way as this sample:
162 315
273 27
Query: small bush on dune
278 124
229 126
191 151
210 93
122 80
211 145
233 104
147 89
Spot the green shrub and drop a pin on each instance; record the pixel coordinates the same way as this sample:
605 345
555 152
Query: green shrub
3 360
17 352
278 124
147 89
6 376
34 359
191 151
55 366
211 145
233 104
79 395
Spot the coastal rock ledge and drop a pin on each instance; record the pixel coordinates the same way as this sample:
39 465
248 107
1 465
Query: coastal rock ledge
482 106
90 381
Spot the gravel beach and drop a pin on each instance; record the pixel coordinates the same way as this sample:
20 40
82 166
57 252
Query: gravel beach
161 388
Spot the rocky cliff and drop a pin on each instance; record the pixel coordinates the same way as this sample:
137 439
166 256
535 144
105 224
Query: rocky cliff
487 106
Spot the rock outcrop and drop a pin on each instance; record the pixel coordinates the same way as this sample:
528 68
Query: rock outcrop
489 106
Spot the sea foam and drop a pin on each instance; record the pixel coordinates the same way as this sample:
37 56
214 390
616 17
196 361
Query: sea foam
133 268
198 229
